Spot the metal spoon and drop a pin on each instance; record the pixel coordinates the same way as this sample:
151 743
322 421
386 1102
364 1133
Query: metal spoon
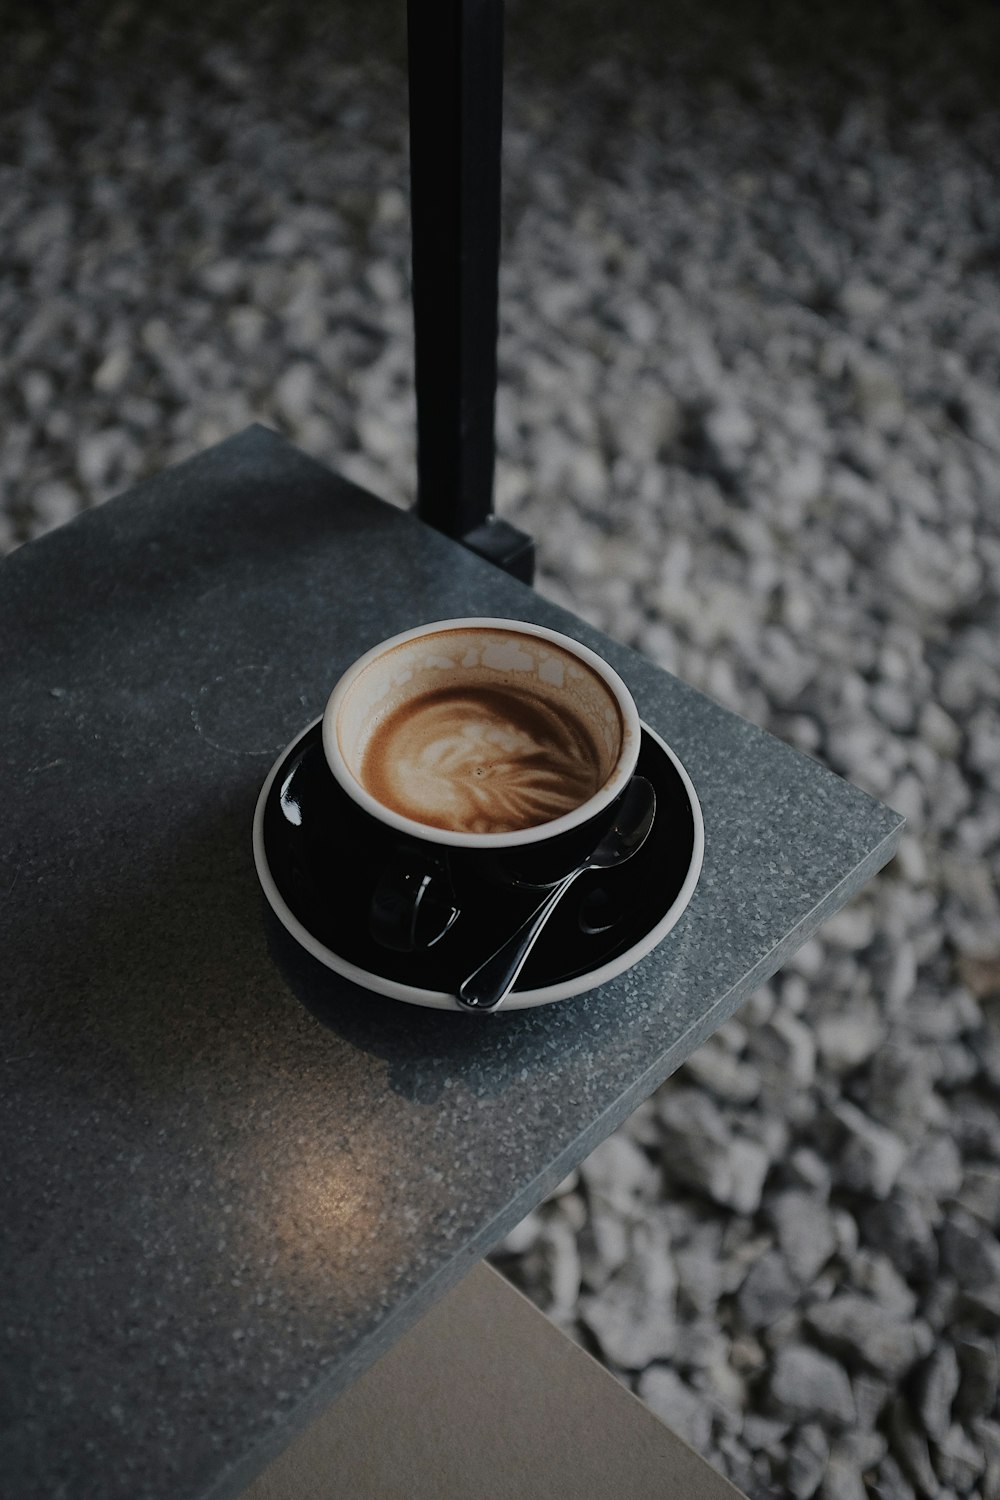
493 981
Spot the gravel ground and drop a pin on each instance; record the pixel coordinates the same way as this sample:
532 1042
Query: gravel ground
749 404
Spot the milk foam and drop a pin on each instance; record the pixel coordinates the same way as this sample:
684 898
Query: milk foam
479 759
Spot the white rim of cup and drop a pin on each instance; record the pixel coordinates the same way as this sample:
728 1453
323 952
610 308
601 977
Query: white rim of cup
615 784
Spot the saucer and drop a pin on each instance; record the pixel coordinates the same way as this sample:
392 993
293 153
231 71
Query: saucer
318 856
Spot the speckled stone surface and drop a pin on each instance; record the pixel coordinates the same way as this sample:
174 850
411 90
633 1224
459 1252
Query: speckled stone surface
230 1179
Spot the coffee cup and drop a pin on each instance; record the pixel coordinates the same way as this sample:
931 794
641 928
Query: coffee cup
480 750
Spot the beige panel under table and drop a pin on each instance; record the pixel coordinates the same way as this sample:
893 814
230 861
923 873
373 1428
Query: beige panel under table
485 1399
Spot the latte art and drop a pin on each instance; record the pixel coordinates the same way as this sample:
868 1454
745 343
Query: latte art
481 760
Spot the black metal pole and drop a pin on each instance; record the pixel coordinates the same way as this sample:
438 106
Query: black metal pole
456 107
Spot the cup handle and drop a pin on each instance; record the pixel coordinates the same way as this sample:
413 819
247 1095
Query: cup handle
413 904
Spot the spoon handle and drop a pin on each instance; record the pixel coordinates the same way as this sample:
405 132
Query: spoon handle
493 981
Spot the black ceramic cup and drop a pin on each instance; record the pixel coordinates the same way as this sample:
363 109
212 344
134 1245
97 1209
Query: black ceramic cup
484 753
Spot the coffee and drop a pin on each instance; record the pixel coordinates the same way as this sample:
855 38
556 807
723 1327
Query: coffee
478 758
478 733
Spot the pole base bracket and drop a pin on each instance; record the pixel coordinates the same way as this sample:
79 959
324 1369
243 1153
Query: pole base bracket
502 544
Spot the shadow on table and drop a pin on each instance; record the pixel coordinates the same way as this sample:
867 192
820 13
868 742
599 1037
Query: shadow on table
428 1050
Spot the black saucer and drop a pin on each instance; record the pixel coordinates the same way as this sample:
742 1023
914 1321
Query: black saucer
318 857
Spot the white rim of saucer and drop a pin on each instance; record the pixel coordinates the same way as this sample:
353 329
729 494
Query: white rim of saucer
442 999
622 773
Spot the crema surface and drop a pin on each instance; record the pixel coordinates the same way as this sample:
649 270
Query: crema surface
481 760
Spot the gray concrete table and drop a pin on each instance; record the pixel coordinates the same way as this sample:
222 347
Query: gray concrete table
217 1211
